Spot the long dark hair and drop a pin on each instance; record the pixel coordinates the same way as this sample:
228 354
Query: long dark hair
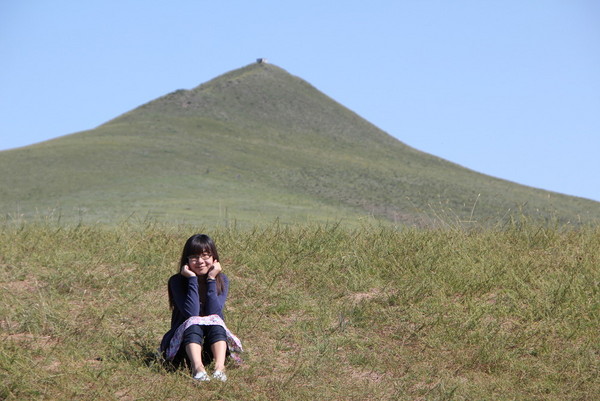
198 244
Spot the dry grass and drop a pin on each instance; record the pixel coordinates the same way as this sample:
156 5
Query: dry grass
324 312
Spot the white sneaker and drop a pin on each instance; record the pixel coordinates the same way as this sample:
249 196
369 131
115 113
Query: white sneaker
219 375
202 377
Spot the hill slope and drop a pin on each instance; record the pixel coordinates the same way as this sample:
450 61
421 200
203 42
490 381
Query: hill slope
251 145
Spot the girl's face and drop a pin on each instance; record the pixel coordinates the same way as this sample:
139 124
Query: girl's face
200 264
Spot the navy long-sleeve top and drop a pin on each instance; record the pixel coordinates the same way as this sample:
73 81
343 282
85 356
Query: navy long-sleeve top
186 301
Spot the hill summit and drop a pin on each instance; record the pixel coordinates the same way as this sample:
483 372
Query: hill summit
255 144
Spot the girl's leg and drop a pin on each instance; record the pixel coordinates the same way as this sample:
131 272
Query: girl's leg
193 338
194 353
219 350
216 337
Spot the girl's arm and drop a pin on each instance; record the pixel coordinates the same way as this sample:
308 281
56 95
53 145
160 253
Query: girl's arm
215 302
185 294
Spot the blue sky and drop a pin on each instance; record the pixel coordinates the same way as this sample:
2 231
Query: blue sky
507 88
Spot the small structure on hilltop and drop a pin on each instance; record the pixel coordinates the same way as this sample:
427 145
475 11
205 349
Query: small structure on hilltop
261 61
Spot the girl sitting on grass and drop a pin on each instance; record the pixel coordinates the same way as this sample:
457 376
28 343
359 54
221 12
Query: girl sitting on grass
197 296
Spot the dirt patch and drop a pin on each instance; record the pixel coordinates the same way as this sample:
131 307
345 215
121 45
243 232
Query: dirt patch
31 340
123 395
22 286
53 366
365 296
367 375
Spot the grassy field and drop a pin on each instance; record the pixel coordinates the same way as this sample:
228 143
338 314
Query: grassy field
325 312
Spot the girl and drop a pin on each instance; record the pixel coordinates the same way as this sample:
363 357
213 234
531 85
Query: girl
199 289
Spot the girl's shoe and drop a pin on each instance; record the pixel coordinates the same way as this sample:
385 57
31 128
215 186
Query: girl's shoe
219 375
202 377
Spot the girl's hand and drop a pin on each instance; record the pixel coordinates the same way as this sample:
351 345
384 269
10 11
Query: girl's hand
186 272
214 270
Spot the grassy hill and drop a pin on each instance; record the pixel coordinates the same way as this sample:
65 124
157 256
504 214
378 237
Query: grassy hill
250 146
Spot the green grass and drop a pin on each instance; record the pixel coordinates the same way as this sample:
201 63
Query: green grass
262 144
325 311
